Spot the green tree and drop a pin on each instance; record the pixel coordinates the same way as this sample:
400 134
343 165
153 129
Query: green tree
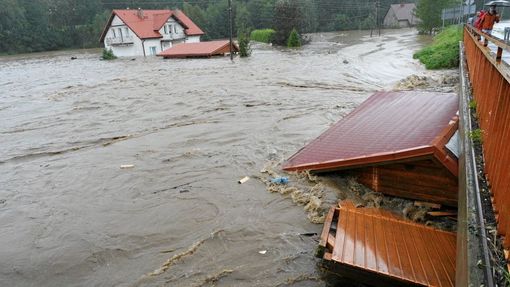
244 45
429 12
294 40
288 16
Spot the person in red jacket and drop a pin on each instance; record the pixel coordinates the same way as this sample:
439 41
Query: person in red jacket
489 19
478 20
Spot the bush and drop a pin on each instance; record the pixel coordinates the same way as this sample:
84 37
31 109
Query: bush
108 55
444 51
262 35
294 40
244 45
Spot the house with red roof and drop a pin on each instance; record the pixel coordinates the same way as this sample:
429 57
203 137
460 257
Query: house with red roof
130 33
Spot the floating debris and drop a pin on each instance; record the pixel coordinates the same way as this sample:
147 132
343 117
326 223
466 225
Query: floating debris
280 180
127 166
262 252
243 180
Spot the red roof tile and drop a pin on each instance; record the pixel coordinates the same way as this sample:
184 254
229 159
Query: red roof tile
192 29
202 49
388 126
152 21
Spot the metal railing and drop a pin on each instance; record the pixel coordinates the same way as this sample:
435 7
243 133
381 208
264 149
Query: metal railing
119 40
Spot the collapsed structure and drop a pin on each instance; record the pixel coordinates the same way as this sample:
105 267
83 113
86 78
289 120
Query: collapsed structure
401 144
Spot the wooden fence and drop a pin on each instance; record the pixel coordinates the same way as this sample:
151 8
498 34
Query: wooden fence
490 79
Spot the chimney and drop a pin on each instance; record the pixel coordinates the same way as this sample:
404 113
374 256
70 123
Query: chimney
140 13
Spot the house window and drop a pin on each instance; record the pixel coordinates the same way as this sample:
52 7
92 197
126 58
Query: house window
170 29
175 29
127 31
166 31
153 50
114 35
120 32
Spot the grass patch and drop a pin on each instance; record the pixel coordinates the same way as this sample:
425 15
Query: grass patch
472 105
476 136
262 35
443 53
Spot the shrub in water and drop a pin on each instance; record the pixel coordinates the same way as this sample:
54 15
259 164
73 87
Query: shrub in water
108 55
244 45
263 35
444 51
293 40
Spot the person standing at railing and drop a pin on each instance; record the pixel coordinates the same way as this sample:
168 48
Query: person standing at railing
489 19
477 23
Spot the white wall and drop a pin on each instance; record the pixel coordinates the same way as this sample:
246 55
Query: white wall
193 39
125 50
174 30
152 43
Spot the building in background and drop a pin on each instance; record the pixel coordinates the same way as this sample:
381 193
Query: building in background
140 32
401 16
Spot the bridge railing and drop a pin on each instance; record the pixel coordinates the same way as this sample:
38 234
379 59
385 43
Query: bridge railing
490 79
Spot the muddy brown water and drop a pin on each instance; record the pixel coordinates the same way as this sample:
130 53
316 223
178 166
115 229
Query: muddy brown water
70 216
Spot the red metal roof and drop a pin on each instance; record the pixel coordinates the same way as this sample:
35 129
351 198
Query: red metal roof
389 126
152 21
363 243
202 49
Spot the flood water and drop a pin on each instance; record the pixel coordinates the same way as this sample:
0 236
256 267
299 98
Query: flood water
70 216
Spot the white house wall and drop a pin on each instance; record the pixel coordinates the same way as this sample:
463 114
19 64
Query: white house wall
193 39
152 43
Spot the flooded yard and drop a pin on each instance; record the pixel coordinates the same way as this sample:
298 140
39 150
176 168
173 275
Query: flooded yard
71 216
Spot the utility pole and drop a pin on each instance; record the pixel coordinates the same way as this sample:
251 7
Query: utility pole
377 14
230 25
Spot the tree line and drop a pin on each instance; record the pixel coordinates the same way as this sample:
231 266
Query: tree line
39 25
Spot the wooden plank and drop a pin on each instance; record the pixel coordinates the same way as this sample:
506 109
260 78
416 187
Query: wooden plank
326 228
427 204
360 242
338 252
330 245
442 213
394 262
350 239
371 251
383 242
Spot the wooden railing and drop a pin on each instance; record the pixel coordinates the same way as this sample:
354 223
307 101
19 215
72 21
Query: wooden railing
490 79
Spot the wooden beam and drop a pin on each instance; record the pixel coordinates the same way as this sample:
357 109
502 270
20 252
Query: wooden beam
427 204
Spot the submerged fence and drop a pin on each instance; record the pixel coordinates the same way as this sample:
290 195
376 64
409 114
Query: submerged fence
490 79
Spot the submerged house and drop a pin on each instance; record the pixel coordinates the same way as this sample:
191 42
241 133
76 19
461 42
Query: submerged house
398 143
199 50
401 16
140 32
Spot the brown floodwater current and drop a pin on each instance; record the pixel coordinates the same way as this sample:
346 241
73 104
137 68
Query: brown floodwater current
70 216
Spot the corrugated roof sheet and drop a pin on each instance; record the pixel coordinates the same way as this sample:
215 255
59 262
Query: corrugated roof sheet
202 49
383 244
152 21
388 126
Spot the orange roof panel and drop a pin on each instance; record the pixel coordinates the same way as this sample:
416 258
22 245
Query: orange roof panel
383 245
202 49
